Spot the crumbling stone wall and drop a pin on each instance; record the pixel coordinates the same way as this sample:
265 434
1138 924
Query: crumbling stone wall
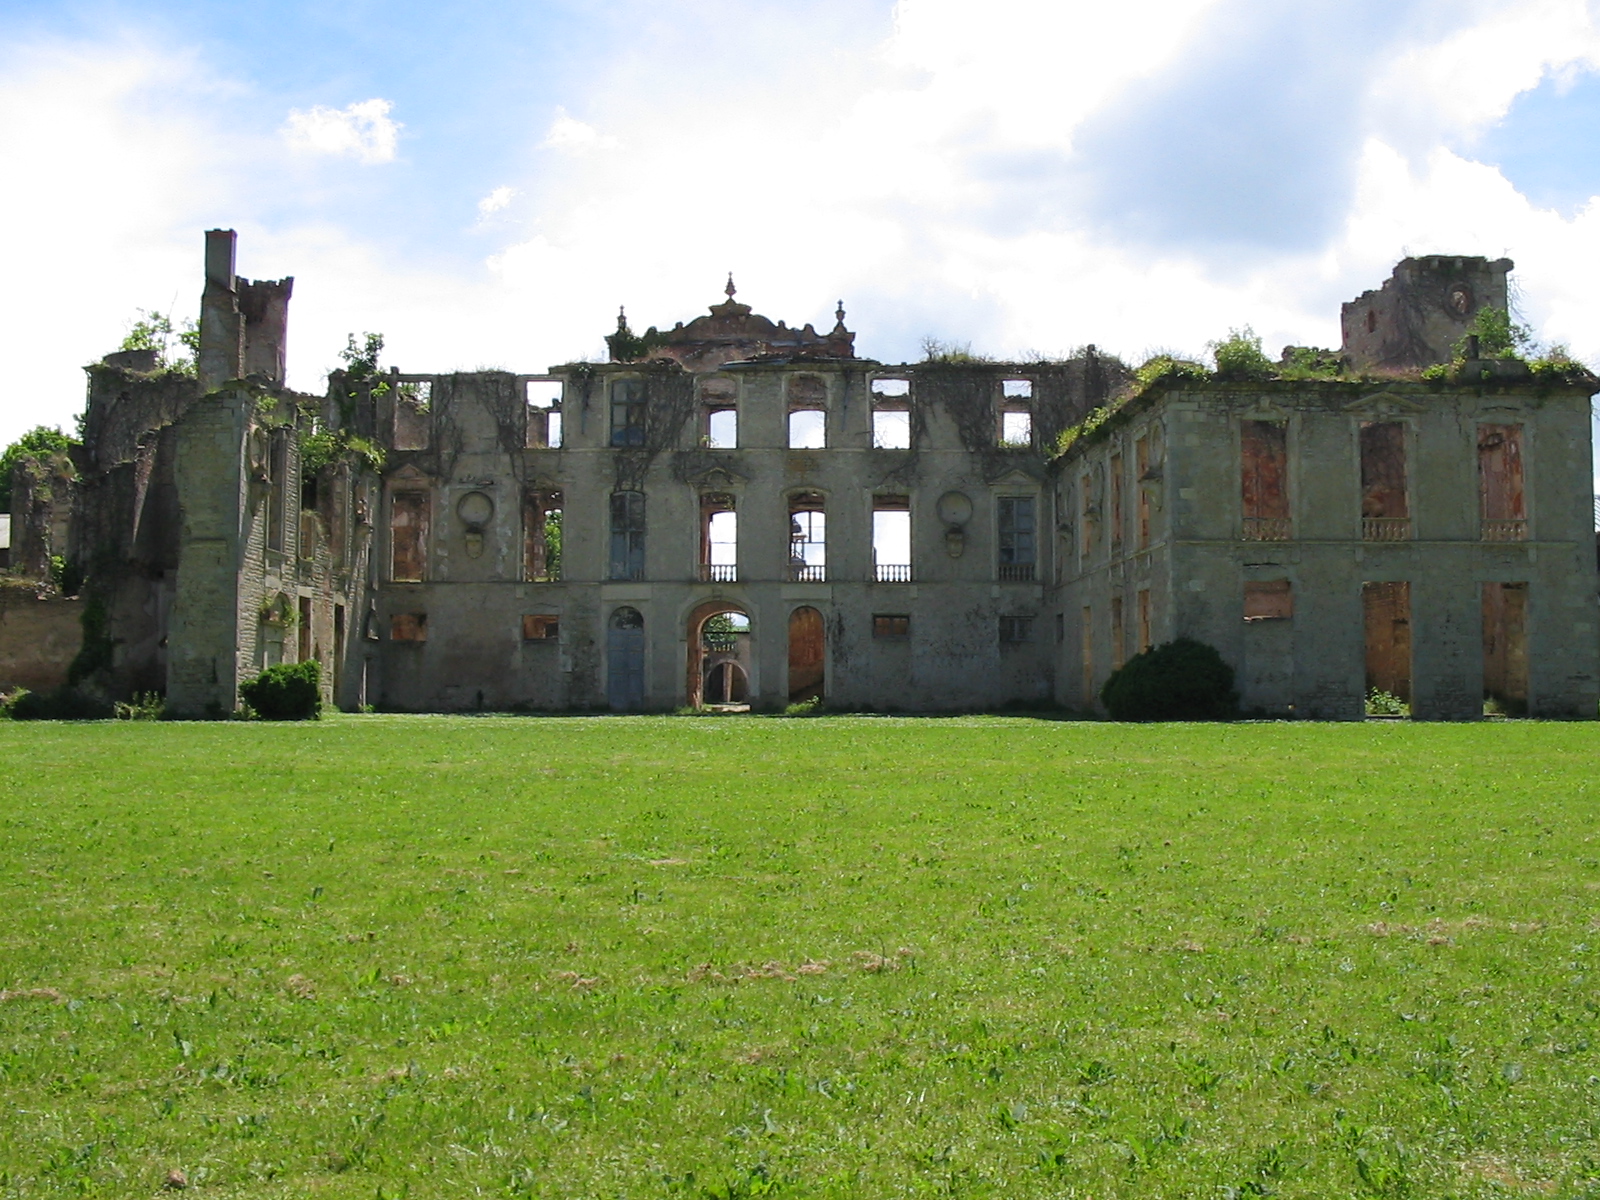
39 637
1415 319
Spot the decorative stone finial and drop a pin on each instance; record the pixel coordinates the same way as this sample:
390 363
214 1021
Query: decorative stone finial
622 317
838 313
730 289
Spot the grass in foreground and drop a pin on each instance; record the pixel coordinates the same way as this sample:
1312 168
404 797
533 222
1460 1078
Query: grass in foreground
392 956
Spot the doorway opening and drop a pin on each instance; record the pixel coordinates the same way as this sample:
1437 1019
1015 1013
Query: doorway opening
625 660
807 649
1386 609
719 657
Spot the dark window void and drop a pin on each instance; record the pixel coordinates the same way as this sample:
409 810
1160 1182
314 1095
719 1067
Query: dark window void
1142 481
627 535
1264 600
277 489
413 416
1017 538
1144 620
1016 629
408 536
1087 512
719 538
891 626
1386 608
1264 471
1117 513
1500 483
891 539
1505 649
540 627
1118 632
1385 508
541 536
307 640
408 627
627 412
808 538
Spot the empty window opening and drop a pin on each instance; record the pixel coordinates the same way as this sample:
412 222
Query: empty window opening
408 536
625 656
891 627
627 535
719 427
1500 483
807 653
808 538
541 536
1372 321
1266 600
1016 426
413 415
408 627
891 539
808 429
891 414
808 417
339 629
1264 480
719 538
1017 389
305 631
627 412
891 429
1061 629
1386 609
540 627
1144 620
544 414
1018 542
1505 649
277 486
722 428
1117 632
1016 629
1385 512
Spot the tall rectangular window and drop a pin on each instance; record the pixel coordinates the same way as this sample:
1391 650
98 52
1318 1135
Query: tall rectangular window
808 538
808 416
1086 653
277 489
627 535
1017 540
1116 503
1385 510
1144 619
1117 632
627 412
891 414
1016 413
1264 472
544 414
891 539
541 536
1141 471
719 539
1501 498
408 536
1085 515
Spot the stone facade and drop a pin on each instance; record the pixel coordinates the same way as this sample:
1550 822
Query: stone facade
739 512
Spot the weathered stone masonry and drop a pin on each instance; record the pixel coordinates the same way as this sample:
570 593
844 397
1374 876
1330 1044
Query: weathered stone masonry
736 511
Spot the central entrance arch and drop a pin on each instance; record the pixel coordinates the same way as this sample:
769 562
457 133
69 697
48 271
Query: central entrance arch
719 654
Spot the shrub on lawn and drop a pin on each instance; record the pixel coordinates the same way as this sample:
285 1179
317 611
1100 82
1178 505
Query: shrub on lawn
286 692
1183 680
64 704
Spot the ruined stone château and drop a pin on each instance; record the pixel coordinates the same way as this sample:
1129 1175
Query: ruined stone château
736 511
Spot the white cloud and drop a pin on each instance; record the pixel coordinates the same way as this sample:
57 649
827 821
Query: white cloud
495 201
362 131
572 136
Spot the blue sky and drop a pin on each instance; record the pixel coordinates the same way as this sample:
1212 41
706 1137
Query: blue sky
486 183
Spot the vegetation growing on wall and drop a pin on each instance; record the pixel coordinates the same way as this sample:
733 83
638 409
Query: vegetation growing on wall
41 442
177 347
1239 357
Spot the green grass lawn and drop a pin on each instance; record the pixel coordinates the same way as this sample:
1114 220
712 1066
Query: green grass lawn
433 956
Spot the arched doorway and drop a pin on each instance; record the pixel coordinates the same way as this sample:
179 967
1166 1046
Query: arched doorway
807 646
719 655
625 660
